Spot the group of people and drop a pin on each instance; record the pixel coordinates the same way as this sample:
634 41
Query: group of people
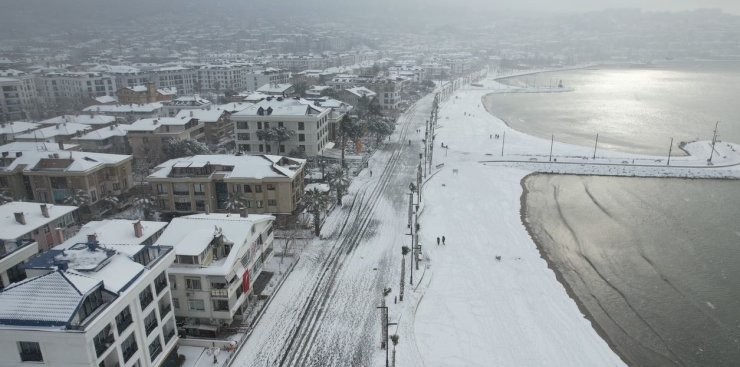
443 241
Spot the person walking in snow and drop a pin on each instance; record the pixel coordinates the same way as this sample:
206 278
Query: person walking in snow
371 173
437 241
443 240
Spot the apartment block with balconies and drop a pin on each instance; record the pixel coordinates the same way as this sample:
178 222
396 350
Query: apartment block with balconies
89 305
218 259
264 184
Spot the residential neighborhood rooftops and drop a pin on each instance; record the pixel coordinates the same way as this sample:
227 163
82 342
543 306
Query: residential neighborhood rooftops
33 146
50 132
151 124
275 88
104 133
361 92
203 115
80 119
17 127
18 218
126 108
241 167
60 161
278 106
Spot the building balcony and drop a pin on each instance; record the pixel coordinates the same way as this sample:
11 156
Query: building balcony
221 293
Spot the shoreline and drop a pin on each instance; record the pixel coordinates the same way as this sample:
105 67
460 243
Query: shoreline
523 217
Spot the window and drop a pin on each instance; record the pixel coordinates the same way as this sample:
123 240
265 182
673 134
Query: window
150 323
242 125
301 126
176 302
145 297
258 188
155 349
196 304
91 303
259 203
129 347
173 282
220 305
262 148
199 189
302 148
161 189
242 136
268 148
301 137
259 125
192 284
183 207
271 202
123 320
247 188
280 124
30 352
282 148
267 125
160 283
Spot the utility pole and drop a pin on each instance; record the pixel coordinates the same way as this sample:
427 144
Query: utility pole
670 148
714 141
552 140
596 144
385 331
503 142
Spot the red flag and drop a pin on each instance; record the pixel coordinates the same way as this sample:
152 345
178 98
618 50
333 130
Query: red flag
245 281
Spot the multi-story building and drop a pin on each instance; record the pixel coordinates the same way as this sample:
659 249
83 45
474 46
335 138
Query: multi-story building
146 93
68 90
337 111
183 79
53 177
354 95
282 89
217 125
206 183
9 130
195 102
125 76
59 133
310 124
27 229
259 78
18 96
111 139
147 136
128 112
91 305
218 258
118 232
226 76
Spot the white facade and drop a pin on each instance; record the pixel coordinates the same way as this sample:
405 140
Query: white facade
218 258
18 96
308 122
179 77
73 89
90 306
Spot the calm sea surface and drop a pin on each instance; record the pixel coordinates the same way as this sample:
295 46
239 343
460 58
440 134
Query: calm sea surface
635 109
656 262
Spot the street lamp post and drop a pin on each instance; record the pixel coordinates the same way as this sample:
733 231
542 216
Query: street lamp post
386 324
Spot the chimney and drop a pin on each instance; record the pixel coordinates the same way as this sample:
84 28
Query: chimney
45 210
59 234
92 238
138 229
20 217
61 145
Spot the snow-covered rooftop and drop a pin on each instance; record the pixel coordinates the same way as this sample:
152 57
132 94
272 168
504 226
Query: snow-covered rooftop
33 146
203 115
275 88
104 133
243 166
62 129
80 119
61 161
361 91
117 234
32 214
279 106
125 108
17 127
151 124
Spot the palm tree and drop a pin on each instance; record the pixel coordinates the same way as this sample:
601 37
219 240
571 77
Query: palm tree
78 197
394 340
235 202
340 182
316 202
146 204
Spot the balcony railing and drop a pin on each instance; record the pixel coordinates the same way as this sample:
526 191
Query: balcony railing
159 286
182 193
220 293
168 335
122 324
102 345
128 352
164 309
150 327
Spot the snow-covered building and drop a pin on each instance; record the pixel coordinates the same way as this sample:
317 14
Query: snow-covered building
128 112
89 304
183 79
18 96
194 102
147 136
9 130
218 258
259 78
226 76
204 183
146 93
353 95
277 89
309 123
337 111
58 133
66 90
53 177
111 139
28 228
92 120
216 123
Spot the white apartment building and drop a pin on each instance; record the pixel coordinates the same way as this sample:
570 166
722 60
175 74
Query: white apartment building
308 122
272 76
226 76
26 228
71 90
91 305
18 96
179 77
124 75
218 259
